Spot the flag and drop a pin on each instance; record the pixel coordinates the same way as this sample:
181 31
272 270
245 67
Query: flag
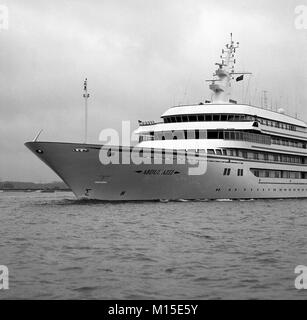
240 78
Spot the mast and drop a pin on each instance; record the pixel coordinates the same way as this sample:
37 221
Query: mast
221 84
85 96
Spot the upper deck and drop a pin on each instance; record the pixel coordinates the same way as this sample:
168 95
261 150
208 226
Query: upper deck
245 109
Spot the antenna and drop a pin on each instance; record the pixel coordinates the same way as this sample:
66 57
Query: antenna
85 96
224 74
265 99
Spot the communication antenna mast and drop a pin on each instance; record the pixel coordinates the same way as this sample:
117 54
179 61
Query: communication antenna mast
85 96
221 82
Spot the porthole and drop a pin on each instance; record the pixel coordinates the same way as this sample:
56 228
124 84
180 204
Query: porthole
39 151
80 150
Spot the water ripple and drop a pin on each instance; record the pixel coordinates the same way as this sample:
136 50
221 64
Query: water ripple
57 247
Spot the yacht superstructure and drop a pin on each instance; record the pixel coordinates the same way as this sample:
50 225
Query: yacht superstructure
245 152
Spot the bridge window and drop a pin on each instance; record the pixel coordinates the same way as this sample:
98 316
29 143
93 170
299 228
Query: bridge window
218 151
232 117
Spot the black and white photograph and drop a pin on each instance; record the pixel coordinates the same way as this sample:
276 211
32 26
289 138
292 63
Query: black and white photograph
153 151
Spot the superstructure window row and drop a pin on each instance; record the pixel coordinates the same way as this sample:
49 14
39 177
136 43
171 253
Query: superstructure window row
229 117
260 156
206 134
281 174
221 134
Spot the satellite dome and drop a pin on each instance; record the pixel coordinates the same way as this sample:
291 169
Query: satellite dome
281 110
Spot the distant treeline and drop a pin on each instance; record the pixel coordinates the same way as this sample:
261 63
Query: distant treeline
16 185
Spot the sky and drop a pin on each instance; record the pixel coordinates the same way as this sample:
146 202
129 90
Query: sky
140 57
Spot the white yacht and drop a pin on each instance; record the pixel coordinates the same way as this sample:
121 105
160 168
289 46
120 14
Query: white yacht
216 149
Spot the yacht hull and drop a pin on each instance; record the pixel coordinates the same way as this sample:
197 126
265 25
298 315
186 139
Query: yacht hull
80 167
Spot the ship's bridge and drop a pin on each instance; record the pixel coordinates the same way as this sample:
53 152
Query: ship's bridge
240 109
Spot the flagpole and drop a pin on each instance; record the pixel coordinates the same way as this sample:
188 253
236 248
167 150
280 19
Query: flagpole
85 96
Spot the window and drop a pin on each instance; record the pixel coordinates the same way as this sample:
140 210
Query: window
210 151
277 174
240 172
255 172
218 151
213 135
190 134
196 134
226 171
